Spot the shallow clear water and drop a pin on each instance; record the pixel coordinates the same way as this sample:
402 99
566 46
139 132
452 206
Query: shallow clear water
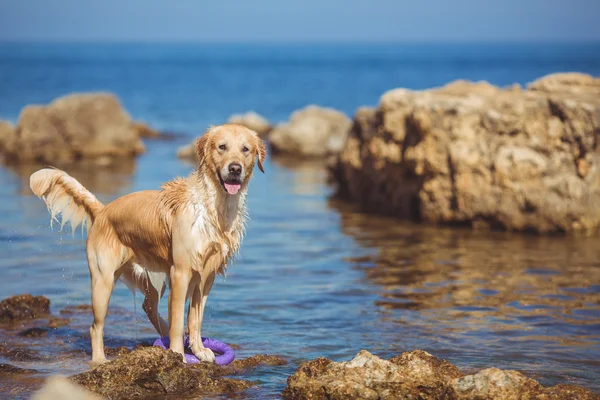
315 277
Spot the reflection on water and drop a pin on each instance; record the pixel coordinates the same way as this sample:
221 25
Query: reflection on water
504 295
103 180
308 175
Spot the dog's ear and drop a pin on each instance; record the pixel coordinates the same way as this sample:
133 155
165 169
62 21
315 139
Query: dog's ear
201 143
261 150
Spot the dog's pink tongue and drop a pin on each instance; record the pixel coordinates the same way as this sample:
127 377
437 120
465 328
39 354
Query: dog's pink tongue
232 188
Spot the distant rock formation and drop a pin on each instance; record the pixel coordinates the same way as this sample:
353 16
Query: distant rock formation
415 375
474 154
252 120
311 132
74 127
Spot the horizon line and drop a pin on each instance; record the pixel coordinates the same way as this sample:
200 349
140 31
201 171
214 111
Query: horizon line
302 42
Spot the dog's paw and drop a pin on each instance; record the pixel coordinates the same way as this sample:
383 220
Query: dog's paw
98 361
204 354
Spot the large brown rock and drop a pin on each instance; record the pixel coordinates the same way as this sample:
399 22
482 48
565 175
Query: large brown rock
415 375
23 307
153 371
472 153
311 132
71 128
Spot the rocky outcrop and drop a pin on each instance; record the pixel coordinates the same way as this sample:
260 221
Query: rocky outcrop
252 120
311 132
23 307
474 154
152 371
415 375
74 127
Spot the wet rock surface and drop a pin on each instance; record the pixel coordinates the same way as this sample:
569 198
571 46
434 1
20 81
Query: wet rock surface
71 128
311 132
415 375
154 371
474 154
23 307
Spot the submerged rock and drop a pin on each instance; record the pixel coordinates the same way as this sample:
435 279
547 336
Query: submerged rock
34 332
73 127
7 369
76 309
311 132
472 153
23 307
238 367
153 371
252 120
415 375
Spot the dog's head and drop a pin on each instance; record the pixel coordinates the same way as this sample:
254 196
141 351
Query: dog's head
227 154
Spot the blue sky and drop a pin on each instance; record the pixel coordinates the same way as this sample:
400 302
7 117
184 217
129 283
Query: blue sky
300 20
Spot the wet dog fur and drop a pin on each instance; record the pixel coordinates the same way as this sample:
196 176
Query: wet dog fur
182 235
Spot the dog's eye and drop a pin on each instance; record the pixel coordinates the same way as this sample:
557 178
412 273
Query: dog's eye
222 147
245 149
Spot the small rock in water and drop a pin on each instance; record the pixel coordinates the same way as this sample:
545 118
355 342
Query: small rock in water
56 322
241 366
80 308
34 332
19 354
23 307
7 369
415 375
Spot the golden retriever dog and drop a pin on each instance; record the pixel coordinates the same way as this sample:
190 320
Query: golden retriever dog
183 234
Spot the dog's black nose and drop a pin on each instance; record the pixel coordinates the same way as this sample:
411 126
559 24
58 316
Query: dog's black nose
235 169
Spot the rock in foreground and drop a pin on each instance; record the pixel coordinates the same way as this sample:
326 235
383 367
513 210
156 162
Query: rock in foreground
71 128
153 371
311 132
474 154
23 307
415 375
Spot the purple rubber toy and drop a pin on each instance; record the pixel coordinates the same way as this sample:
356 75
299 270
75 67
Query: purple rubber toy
224 354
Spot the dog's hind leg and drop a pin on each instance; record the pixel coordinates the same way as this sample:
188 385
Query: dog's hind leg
150 306
103 263
137 277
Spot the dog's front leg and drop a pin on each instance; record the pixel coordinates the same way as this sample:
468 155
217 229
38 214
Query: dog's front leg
196 317
180 280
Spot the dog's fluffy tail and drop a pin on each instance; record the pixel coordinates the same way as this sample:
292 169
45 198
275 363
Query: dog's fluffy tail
64 195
